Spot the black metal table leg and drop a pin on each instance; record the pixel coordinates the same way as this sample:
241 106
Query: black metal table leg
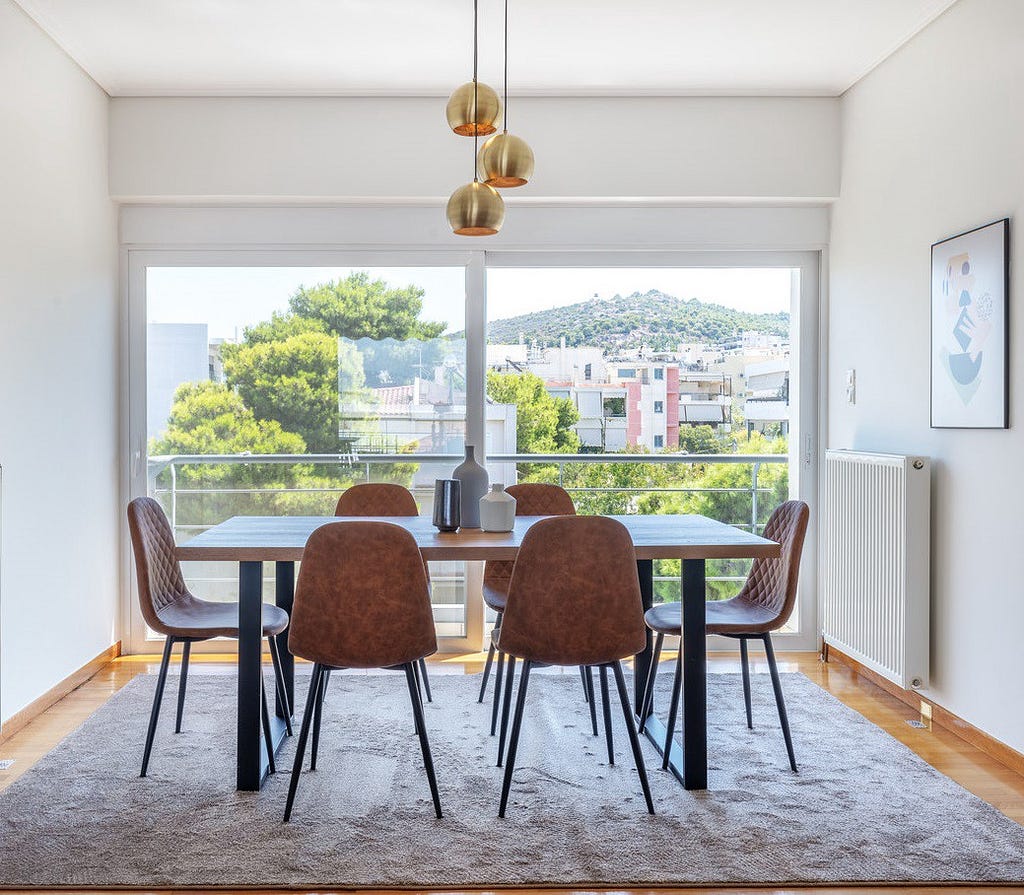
689 764
695 676
642 661
284 596
251 757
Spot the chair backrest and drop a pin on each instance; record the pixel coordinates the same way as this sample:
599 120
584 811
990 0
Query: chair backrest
376 499
574 598
771 583
158 570
532 499
361 600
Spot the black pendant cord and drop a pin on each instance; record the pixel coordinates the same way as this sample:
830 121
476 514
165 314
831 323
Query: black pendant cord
506 68
476 105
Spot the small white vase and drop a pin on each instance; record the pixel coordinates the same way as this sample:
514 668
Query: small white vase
497 510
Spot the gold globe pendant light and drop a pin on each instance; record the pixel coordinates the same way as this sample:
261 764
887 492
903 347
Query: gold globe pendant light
506 160
473 108
475 209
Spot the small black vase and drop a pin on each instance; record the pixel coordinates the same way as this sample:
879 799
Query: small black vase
447 504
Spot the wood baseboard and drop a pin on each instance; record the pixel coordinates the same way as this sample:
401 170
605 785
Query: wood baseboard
35 708
987 743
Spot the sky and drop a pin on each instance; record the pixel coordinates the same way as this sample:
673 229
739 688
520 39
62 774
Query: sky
229 298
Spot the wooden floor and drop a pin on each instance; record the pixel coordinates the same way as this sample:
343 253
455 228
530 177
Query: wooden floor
965 764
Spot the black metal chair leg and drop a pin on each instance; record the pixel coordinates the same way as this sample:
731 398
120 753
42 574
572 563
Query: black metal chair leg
186 648
282 691
634 740
744 661
590 699
154 713
513 743
607 714
300 747
499 671
487 671
648 700
583 677
424 679
325 676
267 738
417 711
779 701
677 685
510 674
419 681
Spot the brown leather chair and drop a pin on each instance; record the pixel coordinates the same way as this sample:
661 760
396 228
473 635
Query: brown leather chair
384 499
170 609
764 604
532 499
574 599
361 601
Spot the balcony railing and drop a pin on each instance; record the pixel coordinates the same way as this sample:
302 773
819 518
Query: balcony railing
194 506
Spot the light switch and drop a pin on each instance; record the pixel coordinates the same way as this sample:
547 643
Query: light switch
851 386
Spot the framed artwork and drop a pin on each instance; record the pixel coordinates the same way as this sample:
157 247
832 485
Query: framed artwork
970 338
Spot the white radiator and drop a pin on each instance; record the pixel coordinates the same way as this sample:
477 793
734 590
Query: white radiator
875 569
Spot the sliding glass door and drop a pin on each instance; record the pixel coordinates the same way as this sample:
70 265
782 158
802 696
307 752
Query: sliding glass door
267 383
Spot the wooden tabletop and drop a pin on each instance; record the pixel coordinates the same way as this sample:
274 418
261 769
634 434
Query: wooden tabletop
283 538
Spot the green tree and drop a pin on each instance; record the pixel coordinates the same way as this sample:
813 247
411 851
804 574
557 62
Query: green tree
699 440
293 381
357 307
544 424
208 418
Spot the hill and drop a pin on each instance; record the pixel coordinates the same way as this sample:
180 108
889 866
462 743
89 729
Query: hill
654 319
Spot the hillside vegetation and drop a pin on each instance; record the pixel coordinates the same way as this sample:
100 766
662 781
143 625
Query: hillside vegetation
654 319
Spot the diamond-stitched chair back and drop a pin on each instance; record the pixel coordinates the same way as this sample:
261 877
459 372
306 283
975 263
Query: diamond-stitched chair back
772 582
159 573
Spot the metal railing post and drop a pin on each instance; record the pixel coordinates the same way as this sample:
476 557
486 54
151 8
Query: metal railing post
174 497
755 468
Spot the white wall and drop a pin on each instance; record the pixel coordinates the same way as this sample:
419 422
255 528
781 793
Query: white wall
933 144
58 368
343 148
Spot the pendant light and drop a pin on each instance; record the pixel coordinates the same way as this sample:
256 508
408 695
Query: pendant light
473 109
506 160
475 209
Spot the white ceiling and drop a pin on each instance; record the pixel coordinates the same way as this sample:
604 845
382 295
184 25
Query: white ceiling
423 47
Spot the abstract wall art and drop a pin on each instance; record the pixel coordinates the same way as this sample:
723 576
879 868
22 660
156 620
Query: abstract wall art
970 335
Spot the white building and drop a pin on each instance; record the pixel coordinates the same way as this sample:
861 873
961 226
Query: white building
766 399
175 353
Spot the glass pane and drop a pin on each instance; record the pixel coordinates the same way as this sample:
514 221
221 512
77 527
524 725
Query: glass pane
272 389
678 363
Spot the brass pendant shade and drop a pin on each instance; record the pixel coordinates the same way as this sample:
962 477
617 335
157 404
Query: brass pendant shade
473 110
505 161
476 209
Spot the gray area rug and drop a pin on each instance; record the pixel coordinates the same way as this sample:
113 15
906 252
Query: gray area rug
863 808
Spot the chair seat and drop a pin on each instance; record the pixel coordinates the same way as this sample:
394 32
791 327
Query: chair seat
723 617
496 593
202 619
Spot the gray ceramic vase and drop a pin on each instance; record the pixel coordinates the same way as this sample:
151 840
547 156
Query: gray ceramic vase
473 478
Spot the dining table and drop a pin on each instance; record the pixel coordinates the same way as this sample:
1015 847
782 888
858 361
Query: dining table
252 541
